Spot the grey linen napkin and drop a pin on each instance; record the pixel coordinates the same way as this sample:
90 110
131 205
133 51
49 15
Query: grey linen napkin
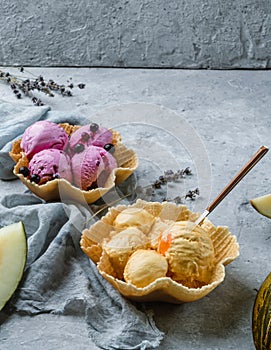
59 278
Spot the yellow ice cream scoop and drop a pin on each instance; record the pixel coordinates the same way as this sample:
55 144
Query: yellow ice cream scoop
190 253
136 217
121 245
144 267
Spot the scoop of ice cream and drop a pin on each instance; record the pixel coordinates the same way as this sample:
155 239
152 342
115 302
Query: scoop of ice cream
190 253
86 167
121 245
88 135
110 164
43 135
127 240
144 267
50 164
137 217
157 229
91 167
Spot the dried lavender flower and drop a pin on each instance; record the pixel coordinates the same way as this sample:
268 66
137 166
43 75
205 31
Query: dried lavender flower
192 194
27 86
168 176
171 176
157 184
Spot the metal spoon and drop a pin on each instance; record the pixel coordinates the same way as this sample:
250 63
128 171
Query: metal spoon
238 177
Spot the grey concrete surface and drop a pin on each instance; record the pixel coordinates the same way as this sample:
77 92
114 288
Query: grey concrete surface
230 113
144 33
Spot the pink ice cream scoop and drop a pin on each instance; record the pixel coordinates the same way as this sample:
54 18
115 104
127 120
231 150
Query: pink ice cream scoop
91 167
43 135
50 164
110 164
91 134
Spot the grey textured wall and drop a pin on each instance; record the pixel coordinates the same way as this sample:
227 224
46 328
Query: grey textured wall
136 33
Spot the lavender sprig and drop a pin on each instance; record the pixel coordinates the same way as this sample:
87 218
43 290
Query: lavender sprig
191 194
27 86
171 176
168 176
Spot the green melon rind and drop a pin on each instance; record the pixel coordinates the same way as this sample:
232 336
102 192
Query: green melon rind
262 205
261 318
13 253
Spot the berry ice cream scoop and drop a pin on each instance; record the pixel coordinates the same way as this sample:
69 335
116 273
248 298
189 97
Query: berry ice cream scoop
43 135
91 134
91 167
49 164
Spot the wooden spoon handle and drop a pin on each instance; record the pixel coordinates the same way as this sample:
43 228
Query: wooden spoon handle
238 177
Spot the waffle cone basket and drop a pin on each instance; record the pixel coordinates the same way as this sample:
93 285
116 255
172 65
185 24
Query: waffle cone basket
163 289
60 189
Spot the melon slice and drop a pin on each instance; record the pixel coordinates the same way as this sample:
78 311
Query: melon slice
13 252
262 205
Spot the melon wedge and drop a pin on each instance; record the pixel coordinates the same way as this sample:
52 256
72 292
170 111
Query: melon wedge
13 252
262 205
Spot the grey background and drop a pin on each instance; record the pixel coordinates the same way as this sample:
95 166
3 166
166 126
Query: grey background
230 111
136 33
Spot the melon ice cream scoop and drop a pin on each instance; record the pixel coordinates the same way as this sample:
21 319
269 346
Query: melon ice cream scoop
91 134
43 135
91 167
190 253
135 217
144 267
49 164
122 245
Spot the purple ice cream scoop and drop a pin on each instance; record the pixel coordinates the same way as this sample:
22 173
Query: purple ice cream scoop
50 164
110 164
89 135
91 167
43 135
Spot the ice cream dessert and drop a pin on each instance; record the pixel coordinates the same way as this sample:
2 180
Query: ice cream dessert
49 164
136 217
91 134
144 267
91 167
181 262
86 159
121 245
43 135
113 164
190 253
187 249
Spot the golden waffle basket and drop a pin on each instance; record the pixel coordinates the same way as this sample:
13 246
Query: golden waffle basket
61 189
163 289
